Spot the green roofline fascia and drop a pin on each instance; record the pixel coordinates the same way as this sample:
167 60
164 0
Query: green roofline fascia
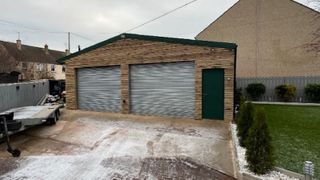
151 38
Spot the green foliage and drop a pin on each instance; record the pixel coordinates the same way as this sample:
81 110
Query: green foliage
244 122
255 90
242 101
259 152
238 96
312 92
240 106
295 135
286 92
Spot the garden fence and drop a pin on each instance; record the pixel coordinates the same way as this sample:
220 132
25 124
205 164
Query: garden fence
271 82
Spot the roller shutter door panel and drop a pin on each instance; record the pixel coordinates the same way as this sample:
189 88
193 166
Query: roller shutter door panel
99 89
165 89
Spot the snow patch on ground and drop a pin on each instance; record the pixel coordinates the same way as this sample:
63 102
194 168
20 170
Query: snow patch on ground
119 148
160 127
242 162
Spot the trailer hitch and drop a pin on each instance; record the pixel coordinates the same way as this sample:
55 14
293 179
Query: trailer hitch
5 131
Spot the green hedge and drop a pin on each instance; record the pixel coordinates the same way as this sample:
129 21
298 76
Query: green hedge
286 92
255 90
312 91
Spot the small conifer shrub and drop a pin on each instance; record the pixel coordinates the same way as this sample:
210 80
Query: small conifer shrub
244 122
259 152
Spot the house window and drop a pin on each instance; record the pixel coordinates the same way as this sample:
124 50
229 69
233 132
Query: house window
63 68
52 67
39 67
24 66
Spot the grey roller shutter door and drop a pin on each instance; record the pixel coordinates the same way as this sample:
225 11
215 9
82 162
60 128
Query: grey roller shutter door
99 89
165 89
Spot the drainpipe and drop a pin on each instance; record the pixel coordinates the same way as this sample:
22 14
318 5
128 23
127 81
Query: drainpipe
234 82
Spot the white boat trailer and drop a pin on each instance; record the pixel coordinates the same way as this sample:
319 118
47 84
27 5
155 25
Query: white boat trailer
19 119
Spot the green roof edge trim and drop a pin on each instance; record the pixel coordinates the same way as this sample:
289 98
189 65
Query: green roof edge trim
151 38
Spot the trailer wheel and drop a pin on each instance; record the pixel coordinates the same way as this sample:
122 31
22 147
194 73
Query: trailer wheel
53 120
58 111
15 153
57 114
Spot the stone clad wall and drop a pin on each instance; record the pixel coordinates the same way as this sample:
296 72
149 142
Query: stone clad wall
129 51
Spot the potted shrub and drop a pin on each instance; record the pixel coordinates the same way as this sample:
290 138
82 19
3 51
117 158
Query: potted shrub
255 90
285 92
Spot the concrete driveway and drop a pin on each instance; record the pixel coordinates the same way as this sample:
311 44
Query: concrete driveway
91 145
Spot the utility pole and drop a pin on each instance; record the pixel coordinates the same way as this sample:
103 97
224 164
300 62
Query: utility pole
69 42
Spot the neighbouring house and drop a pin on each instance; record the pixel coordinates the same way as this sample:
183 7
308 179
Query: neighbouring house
31 62
151 75
275 38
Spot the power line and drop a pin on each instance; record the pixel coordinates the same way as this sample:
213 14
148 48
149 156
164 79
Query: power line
13 23
89 39
21 25
158 17
42 30
83 37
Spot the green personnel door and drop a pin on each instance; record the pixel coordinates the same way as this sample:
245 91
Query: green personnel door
213 94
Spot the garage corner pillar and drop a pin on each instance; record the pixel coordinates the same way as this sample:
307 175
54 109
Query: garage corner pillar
125 88
71 88
198 95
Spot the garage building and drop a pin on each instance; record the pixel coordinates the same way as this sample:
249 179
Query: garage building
150 75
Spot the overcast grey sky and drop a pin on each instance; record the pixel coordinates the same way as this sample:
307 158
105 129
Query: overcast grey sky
44 21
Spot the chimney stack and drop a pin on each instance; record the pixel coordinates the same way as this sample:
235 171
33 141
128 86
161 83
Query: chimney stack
67 52
46 49
19 44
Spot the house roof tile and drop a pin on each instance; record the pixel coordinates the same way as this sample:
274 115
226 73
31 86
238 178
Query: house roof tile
31 53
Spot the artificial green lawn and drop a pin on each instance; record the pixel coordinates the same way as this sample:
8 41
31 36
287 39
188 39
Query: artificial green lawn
295 132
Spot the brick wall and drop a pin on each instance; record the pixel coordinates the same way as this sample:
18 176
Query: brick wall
128 51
